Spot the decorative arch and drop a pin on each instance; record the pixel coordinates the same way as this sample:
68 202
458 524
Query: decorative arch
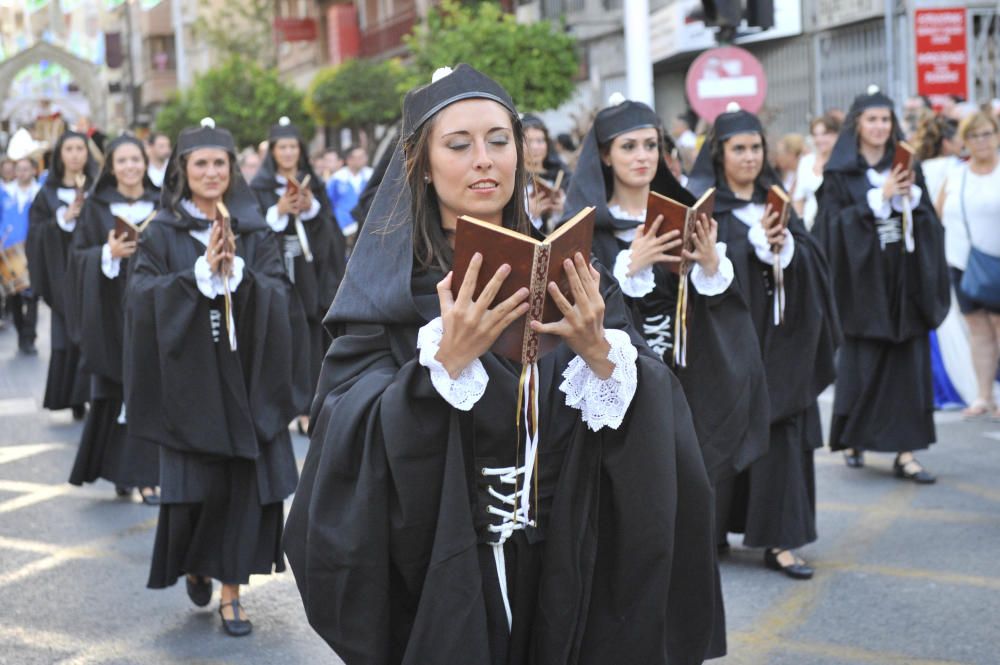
86 74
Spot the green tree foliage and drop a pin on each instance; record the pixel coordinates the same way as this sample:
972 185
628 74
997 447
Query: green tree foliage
358 94
241 96
242 29
535 62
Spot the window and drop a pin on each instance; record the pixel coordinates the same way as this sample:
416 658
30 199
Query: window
162 57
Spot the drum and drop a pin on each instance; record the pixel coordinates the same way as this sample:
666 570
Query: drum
14 270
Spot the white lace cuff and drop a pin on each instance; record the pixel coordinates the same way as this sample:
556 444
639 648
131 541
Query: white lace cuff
878 204
603 402
638 285
211 285
312 212
65 224
274 220
110 266
720 281
763 250
463 392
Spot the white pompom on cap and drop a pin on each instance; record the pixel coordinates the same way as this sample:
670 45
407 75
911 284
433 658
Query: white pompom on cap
283 121
873 89
440 73
208 122
732 107
616 99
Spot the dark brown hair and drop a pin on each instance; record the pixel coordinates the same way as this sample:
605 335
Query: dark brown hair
931 134
765 177
177 177
830 122
430 244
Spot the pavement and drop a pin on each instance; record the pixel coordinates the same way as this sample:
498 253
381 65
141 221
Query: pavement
905 574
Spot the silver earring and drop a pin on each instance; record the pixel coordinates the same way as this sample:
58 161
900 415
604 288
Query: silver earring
427 179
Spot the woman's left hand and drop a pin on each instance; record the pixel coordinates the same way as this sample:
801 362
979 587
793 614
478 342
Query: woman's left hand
305 199
582 325
706 234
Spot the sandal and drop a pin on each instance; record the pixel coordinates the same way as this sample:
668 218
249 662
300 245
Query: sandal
150 496
236 626
978 409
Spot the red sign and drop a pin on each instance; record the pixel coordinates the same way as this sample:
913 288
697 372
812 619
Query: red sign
295 29
723 75
942 56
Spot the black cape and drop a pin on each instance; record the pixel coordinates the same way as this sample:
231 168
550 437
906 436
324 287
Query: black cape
96 321
315 283
384 533
889 300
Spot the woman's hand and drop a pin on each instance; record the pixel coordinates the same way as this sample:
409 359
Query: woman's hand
120 248
776 233
221 250
305 199
557 204
582 325
470 326
289 204
648 249
898 183
706 234
73 210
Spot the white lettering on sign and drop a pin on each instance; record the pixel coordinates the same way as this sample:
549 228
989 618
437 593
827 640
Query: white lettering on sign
731 86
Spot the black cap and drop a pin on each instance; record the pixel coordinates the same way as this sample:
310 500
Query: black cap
447 87
873 98
622 116
205 136
284 130
736 121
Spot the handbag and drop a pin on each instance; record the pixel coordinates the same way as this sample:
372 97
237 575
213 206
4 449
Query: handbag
981 280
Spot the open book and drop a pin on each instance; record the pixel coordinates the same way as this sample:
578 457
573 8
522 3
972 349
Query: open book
546 188
678 217
129 232
533 265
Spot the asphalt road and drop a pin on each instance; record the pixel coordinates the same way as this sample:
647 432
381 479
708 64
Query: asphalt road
905 574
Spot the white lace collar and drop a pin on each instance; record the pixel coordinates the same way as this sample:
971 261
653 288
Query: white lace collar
193 210
132 212
751 214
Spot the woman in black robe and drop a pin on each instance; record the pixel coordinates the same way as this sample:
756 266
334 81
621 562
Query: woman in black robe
213 386
773 502
622 160
409 539
98 265
316 265
886 250
54 215
545 206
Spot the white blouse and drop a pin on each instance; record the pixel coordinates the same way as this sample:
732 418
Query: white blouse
982 210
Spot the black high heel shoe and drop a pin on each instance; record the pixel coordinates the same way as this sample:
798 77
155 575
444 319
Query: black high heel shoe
854 458
797 571
150 499
921 476
236 626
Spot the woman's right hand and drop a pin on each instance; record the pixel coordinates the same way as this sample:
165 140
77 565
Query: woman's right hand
120 248
221 250
73 210
470 326
648 249
289 204
898 183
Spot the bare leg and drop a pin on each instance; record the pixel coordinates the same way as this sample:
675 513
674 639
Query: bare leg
230 592
985 355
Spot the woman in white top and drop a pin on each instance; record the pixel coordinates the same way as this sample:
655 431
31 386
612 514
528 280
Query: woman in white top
938 148
976 184
823 130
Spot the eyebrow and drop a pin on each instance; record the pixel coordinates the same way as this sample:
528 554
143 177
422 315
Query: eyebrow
468 133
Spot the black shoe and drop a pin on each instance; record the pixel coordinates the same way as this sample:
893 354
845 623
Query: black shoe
921 477
854 458
122 491
236 626
199 592
723 549
797 571
27 349
79 412
151 499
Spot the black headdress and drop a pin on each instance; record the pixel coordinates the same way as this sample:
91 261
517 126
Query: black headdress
265 177
552 163
377 285
845 155
593 181
107 181
57 170
706 173
240 201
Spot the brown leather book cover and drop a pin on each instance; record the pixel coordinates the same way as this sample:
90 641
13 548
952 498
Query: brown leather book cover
677 217
781 203
533 265
131 231
903 156
546 188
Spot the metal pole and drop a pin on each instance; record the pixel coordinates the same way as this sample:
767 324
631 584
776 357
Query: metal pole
890 54
133 106
638 65
180 53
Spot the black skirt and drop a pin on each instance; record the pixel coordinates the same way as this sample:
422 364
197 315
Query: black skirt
228 536
773 502
884 399
67 384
